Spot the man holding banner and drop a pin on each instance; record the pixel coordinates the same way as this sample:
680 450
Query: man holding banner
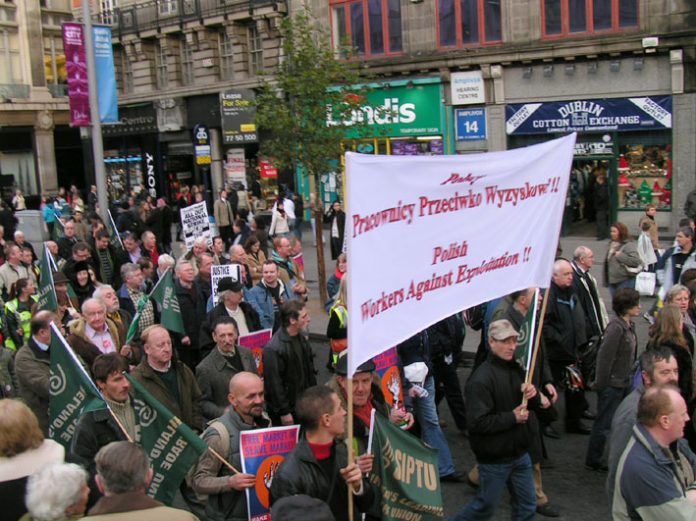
498 431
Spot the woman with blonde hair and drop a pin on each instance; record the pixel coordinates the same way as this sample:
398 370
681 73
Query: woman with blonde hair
23 451
623 262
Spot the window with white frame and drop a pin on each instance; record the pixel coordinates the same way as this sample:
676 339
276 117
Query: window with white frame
186 63
255 50
54 60
226 56
167 7
161 66
10 70
127 69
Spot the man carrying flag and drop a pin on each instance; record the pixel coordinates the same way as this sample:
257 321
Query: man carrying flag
499 432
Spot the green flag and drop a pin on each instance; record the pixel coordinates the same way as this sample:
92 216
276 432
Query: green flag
115 239
406 472
172 446
525 340
57 232
47 292
71 390
133 328
165 295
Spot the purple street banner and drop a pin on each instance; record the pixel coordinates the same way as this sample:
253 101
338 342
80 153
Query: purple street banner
262 452
256 342
106 74
76 65
387 367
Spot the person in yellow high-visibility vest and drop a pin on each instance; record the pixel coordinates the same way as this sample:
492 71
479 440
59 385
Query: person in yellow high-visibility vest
18 312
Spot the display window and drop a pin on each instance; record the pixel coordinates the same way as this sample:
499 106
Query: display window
644 176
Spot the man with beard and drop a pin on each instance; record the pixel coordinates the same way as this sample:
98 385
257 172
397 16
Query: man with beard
226 491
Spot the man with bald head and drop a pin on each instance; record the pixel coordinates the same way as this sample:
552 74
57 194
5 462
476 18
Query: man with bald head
238 256
226 491
565 333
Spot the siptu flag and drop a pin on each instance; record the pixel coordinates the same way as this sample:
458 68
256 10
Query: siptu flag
525 340
133 328
172 446
165 295
71 390
406 472
47 292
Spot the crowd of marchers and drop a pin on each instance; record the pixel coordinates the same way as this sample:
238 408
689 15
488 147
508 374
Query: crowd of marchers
640 436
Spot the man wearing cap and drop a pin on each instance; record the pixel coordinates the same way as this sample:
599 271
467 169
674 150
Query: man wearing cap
220 365
498 430
230 304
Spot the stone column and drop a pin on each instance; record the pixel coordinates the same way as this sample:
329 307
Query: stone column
45 152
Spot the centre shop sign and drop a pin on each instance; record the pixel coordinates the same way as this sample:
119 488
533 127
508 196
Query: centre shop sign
395 112
600 115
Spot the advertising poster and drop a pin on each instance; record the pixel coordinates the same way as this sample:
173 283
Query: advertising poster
76 65
195 223
256 341
262 453
105 73
238 113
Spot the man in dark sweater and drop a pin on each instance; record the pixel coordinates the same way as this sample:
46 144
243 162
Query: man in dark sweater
497 413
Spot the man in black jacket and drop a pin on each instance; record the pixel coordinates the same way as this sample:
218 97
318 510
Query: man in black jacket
288 363
318 466
498 431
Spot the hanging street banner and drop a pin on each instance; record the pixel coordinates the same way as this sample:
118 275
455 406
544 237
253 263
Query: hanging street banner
172 446
76 65
238 114
105 73
599 115
405 470
71 391
195 223
387 367
256 341
450 232
262 451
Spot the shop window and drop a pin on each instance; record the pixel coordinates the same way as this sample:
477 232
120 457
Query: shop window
644 176
186 63
226 51
566 17
10 71
369 27
468 22
255 50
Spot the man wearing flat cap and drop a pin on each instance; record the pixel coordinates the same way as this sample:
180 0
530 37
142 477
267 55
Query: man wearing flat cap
498 431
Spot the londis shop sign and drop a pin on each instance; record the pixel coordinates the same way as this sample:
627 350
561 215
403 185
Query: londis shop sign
402 111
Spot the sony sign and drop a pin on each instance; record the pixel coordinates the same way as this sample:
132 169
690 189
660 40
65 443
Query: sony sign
150 177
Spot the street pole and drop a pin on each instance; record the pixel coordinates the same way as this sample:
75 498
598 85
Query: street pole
97 143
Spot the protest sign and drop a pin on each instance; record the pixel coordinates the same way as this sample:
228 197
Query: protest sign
256 342
262 452
387 367
405 470
449 232
171 444
71 391
195 223
219 272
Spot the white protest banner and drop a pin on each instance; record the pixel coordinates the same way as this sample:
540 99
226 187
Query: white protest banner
429 236
195 223
219 272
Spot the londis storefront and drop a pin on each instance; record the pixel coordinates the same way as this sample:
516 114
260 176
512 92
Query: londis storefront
409 120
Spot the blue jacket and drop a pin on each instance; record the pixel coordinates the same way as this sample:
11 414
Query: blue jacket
649 485
262 301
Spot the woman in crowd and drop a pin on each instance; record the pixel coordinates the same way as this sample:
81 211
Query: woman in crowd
82 282
18 312
23 451
255 258
615 361
335 279
18 202
337 328
258 229
678 296
623 262
279 221
57 492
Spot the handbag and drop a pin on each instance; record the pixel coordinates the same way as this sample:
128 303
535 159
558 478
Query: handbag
645 283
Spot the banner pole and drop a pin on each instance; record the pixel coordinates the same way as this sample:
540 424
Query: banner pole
223 460
349 386
120 425
537 340
351 456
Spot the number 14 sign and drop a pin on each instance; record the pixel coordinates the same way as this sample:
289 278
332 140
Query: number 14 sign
471 124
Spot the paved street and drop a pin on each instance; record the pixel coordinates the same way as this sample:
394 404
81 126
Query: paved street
576 492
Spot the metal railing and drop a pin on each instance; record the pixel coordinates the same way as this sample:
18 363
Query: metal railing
14 90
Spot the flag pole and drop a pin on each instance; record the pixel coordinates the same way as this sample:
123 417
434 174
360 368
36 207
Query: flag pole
537 340
223 460
349 382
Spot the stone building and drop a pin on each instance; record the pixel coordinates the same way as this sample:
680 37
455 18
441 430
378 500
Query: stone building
483 75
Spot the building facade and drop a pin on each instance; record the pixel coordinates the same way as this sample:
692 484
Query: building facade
507 74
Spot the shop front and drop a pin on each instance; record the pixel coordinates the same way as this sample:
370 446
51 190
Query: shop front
627 139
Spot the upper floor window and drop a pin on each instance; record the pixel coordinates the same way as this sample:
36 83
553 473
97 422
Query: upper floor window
565 17
186 63
369 27
106 11
468 22
167 7
10 65
226 56
127 75
161 66
255 50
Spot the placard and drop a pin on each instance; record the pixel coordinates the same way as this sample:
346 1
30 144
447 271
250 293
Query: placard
221 271
256 341
195 223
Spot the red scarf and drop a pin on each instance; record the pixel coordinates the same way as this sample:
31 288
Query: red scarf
364 412
321 450
339 274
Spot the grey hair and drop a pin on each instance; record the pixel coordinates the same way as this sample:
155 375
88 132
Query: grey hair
128 269
180 263
53 489
122 466
99 292
92 301
557 265
201 240
165 260
675 290
580 252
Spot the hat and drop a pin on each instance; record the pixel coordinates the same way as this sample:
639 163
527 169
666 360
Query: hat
301 507
502 330
80 266
229 284
59 278
342 366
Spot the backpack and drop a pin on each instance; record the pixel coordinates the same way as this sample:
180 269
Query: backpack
474 317
194 499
